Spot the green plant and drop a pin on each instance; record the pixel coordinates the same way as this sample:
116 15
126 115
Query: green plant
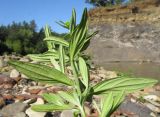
62 53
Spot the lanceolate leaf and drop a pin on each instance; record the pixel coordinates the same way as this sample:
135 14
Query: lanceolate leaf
55 63
45 57
47 31
110 103
119 84
50 107
78 37
107 104
70 97
64 24
53 98
62 58
73 21
57 40
118 98
83 71
41 72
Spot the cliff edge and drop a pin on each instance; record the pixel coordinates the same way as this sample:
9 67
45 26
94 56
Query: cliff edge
126 33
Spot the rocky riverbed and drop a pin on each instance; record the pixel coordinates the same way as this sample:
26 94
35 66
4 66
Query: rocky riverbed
18 93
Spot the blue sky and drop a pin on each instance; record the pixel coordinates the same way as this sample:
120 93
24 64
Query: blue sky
42 11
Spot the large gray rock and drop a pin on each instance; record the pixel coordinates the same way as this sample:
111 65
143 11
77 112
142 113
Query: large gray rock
132 41
12 109
138 109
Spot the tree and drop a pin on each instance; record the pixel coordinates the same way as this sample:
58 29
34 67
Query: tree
17 46
105 2
22 38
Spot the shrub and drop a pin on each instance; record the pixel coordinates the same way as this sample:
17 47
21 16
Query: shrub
62 53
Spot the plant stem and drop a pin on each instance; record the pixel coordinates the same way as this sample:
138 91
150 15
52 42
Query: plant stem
83 114
77 84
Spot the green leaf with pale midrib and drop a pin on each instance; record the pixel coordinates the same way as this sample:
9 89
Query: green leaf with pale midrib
107 105
53 98
42 71
62 58
127 84
57 40
84 71
50 107
78 37
70 97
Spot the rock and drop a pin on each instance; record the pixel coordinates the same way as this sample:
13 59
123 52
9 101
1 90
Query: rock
8 97
26 97
6 58
152 97
110 74
135 108
8 86
124 42
2 62
102 76
16 79
14 73
94 76
30 101
24 90
39 101
24 59
2 102
12 109
153 115
67 113
154 102
5 79
152 107
35 89
21 114
157 87
6 82
32 113
101 70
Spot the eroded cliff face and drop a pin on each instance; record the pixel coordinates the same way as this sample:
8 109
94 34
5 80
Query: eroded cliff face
126 33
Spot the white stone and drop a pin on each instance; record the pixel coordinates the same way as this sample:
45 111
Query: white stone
67 113
32 113
24 90
152 97
14 73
